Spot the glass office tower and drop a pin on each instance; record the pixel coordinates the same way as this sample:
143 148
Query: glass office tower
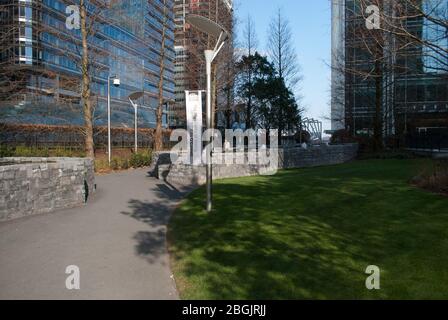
40 54
414 81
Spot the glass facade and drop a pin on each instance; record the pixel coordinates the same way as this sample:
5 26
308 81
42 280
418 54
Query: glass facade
40 61
414 79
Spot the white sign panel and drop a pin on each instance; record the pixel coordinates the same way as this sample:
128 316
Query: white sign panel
193 101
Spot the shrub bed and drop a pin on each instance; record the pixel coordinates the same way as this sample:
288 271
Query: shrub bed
123 161
434 177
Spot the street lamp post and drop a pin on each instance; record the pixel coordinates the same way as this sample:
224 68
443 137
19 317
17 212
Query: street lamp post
132 98
211 28
135 105
135 128
116 82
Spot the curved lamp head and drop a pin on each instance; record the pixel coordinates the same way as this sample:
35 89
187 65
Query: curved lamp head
136 95
133 97
207 26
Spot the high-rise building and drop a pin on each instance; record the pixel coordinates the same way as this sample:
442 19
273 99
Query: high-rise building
40 54
190 45
338 63
414 94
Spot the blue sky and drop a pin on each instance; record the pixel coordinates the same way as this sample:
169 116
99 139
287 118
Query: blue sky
310 22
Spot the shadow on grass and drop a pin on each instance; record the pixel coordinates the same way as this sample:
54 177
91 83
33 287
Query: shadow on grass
311 233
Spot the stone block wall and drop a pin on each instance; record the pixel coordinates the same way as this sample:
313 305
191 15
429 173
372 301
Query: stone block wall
196 175
31 186
321 155
289 158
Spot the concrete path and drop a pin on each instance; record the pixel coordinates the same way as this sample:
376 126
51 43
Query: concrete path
117 240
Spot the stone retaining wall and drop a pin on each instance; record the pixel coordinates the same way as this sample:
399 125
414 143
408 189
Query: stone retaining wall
314 156
31 186
196 175
289 158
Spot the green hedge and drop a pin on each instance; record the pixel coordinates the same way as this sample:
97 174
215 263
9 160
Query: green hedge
141 159
136 160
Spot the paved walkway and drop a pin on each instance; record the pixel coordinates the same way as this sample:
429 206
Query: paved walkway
117 241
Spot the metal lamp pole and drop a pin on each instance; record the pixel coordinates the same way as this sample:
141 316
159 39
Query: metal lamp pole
212 28
135 129
133 97
108 120
209 169
135 122
116 84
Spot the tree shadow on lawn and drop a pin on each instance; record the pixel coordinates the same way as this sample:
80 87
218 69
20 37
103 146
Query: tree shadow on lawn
278 238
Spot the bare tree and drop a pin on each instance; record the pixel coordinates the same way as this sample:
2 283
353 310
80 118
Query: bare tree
87 55
86 81
430 17
225 76
284 58
281 50
45 82
250 40
226 73
378 55
223 68
370 63
158 137
250 44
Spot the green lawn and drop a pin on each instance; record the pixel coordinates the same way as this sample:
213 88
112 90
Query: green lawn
311 233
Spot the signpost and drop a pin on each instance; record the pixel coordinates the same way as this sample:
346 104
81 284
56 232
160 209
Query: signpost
193 100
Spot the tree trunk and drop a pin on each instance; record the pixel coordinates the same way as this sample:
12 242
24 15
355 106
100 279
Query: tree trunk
86 92
280 74
158 137
249 100
228 109
280 127
377 127
214 97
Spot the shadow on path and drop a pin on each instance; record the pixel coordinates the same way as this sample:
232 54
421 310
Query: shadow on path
151 245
